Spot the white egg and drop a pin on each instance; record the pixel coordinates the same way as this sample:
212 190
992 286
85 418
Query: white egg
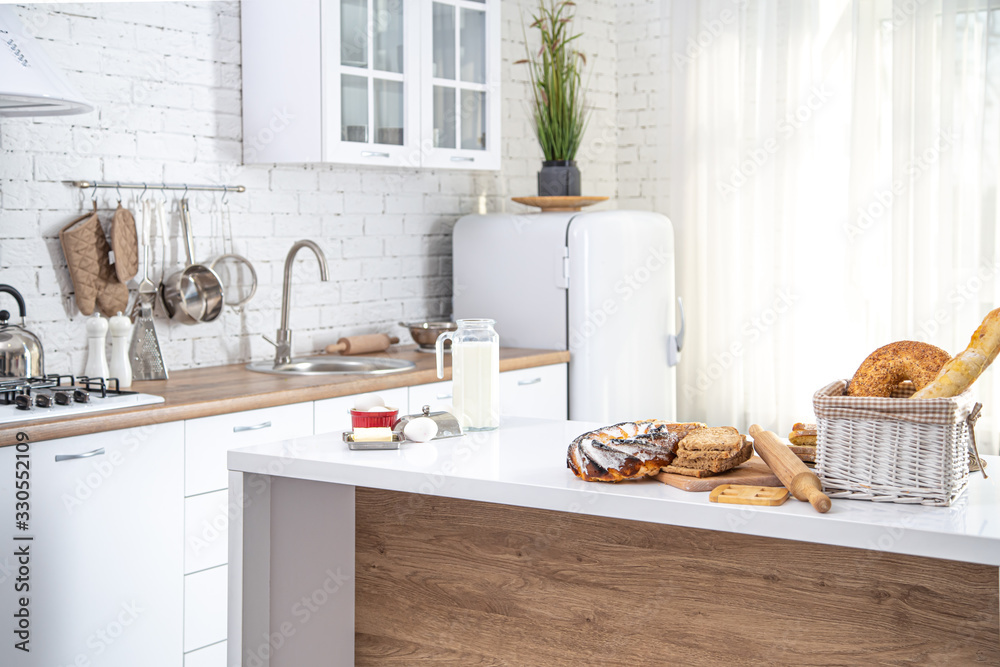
379 408
365 402
421 429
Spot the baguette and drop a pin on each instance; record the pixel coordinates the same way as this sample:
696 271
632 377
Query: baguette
961 371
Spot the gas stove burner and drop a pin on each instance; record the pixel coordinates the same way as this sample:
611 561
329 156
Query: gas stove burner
54 396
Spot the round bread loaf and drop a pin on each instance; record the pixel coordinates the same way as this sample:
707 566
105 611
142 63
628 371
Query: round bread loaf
628 450
892 364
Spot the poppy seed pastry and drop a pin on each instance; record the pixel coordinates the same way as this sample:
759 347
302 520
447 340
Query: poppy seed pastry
895 363
629 450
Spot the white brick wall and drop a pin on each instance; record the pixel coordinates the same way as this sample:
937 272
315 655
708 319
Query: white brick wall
166 80
643 102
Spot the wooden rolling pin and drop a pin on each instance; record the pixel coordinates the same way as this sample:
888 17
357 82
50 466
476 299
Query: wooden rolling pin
793 473
362 344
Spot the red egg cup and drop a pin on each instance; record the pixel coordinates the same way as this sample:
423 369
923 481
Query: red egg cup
364 419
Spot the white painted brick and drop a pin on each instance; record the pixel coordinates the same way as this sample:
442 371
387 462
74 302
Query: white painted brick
321 203
293 179
365 246
364 203
165 146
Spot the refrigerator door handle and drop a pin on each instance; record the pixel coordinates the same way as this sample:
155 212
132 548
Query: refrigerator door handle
676 342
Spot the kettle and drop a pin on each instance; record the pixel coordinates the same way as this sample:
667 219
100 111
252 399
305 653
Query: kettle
20 350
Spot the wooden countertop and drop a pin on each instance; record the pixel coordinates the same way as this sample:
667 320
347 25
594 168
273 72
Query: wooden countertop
216 390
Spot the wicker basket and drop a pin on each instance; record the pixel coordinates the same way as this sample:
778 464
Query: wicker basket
893 449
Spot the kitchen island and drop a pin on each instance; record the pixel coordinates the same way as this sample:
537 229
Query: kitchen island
485 549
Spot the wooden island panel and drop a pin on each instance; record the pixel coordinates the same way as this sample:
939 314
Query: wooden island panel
455 582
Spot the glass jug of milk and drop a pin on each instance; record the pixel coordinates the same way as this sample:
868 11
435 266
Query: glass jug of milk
475 371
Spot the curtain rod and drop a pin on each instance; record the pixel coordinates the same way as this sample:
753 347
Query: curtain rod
84 185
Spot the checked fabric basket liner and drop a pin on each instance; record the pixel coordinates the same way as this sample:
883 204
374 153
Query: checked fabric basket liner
893 449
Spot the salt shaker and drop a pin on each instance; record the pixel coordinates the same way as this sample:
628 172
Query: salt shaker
120 366
97 331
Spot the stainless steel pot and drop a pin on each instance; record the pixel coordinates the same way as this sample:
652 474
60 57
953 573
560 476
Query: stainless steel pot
21 352
193 294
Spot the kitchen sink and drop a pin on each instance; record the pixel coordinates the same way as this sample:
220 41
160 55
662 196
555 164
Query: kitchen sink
334 366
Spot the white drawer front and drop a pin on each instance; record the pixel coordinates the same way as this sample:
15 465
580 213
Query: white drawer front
205 605
206 440
206 531
210 656
535 392
332 415
437 395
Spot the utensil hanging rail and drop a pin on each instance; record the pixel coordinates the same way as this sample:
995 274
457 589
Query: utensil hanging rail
86 185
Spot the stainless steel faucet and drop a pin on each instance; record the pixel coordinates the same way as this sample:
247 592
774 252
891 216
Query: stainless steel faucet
283 345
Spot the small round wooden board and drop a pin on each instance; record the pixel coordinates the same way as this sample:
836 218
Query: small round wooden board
742 494
559 204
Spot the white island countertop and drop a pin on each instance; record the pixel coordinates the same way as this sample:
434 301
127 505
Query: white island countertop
524 464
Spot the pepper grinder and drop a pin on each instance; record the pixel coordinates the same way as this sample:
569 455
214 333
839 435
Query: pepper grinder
97 331
120 367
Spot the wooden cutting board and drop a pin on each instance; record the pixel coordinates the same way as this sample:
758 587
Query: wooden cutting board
754 472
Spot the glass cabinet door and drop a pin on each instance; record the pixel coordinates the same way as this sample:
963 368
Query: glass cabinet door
370 55
460 89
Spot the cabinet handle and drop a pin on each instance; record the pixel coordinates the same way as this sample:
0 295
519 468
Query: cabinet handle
255 427
86 455
373 154
441 397
525 383
459 158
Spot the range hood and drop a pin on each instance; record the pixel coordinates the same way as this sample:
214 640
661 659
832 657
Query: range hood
29 84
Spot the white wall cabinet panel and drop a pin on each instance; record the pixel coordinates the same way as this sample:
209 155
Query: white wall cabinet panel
105 564
205 607
535 392
332 415
206 440
374 82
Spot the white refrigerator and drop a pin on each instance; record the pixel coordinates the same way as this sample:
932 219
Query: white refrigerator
600 284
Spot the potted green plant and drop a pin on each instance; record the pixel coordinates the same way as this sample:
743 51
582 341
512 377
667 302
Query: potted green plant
559 105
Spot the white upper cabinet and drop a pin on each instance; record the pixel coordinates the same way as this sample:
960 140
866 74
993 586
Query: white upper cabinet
460 84
370 76
381 82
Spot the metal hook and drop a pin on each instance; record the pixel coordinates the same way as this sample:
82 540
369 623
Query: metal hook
93 197
184 196
143 193
118 190
225 195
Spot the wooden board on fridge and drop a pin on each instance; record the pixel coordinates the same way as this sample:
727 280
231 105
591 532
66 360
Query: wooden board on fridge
754 472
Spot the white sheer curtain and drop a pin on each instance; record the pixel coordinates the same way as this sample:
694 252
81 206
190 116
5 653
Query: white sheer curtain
833 168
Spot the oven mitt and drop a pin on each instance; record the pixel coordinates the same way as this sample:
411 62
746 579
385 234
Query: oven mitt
94 280
124 244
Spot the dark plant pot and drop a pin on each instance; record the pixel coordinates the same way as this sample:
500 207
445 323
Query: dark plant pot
559 178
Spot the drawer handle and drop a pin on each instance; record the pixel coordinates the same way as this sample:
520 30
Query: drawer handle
373 154
86 455
458 158
255 427
525 383
441 397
